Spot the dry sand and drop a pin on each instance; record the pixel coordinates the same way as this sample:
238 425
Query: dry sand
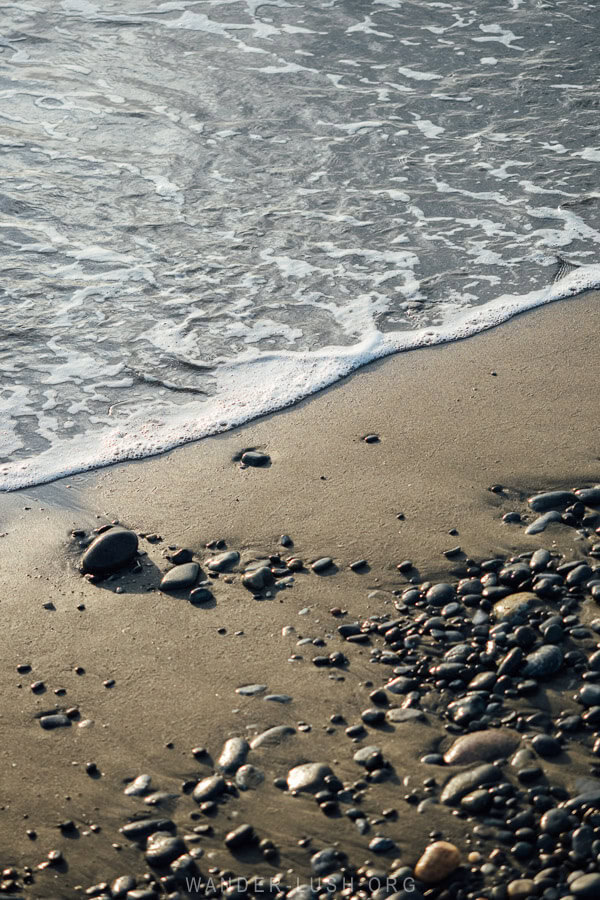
517 405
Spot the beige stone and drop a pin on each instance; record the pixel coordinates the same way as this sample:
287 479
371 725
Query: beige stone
438 861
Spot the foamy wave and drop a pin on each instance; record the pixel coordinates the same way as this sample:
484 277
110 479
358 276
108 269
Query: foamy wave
255 385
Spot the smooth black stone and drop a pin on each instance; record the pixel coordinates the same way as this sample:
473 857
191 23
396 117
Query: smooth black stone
589 496
110 551
241 836
163 848
142 828
255 458
440 594
543 662
201 595
180 577
579 575
551 500
546 746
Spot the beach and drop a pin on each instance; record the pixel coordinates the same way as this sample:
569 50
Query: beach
462 434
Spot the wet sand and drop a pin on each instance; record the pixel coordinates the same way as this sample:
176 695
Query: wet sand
515 406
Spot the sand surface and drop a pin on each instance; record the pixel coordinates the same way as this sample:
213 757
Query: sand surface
517 406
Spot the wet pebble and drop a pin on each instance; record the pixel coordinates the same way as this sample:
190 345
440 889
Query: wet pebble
209 788
468 781
438 861
547 660
233 755
541 523
255 458
321 565
223 561
308 777
55 720
551 500
248 777
481 745
180 577
110 551
139 786
272 736
162 848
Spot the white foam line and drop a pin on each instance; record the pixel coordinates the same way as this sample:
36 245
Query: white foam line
257 384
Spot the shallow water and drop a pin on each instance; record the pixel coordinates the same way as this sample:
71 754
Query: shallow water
211 209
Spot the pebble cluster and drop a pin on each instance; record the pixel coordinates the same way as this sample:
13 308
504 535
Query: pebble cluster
473 658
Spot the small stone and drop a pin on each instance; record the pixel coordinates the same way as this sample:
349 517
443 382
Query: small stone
248 778
255 458
515 606
240 837
438 861
200 595
397 715
110 551
142 828
586 887
468 781
180 577
371 439
56 720
223 561
139 786
233 755
321 565
209 788
272 737
251 690
308 777
257 579
543 662
551 500
541 523
482 745
162 848
522 889
440 594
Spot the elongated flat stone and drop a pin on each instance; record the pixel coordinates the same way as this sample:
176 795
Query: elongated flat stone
142 828
250 690
468 781
321 565
541 523
481 745
272 736
551 500
56 720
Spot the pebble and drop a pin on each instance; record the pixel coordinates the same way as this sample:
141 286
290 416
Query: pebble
142 828
55 720
223 561
240 837
397 715
180 577
139 786
272 736
586 887
543 662
481 745
201 595
521 889
255 458
515 606
110 551
233 755
438 861
440 594
250 690
257 579
308 777
248 777
209 788
589 496
541 523
468 781
162 848
321 565
551 500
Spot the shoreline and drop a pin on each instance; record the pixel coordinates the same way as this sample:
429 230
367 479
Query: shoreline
448 430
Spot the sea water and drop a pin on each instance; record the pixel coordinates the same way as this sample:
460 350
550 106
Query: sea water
209 210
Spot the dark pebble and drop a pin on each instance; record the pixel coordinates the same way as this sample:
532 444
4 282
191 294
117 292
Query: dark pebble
110 551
